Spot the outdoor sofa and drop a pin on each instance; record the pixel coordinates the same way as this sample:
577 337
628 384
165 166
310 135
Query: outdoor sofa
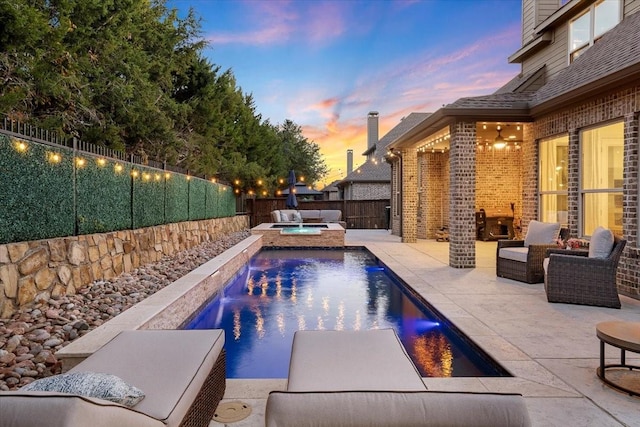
180 372
366 378
308 215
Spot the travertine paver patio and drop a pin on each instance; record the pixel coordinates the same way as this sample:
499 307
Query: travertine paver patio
551 349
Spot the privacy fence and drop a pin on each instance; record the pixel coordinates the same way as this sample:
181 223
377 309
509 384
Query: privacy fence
364 214
51 188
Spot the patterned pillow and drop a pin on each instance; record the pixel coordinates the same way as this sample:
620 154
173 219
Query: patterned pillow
90 384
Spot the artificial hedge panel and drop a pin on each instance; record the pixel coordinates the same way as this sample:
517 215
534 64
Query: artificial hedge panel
211 201
103 195
148 196
226 203
177 198
36 191
197 198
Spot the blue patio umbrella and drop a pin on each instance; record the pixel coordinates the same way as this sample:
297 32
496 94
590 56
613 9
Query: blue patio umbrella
292 202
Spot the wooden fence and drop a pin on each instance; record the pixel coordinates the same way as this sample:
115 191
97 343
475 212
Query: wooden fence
368 214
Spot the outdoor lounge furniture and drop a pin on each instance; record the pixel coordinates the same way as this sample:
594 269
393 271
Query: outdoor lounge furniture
308 215
575 277
358 378
181 372
522 259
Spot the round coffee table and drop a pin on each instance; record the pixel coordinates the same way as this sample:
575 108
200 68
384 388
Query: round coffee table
626 337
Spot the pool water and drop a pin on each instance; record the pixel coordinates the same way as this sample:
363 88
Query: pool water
282 291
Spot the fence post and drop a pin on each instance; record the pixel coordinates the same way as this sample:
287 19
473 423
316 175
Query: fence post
74 184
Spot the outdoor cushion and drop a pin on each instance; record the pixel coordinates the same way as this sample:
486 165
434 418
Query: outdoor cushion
334 361
90 384
395 409
601 243
275 216
331 215
542 233
310 213
163 363
514 253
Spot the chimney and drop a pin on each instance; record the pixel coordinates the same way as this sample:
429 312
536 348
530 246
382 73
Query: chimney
349 161
372 129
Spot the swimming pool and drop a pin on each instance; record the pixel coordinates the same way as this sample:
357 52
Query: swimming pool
283 290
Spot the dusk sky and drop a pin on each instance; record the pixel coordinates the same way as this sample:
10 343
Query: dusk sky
326 64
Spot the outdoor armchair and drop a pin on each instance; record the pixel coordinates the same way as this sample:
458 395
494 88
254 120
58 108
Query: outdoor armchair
575 278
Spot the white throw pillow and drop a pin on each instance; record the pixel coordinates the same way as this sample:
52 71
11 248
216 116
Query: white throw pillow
90 384
284 217
601 243
542 233
297 217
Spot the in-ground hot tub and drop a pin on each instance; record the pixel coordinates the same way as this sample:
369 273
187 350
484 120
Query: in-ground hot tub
327 235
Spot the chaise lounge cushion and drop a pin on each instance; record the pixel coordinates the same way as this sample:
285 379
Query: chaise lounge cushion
395 409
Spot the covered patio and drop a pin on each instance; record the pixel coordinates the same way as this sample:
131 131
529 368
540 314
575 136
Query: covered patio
551 349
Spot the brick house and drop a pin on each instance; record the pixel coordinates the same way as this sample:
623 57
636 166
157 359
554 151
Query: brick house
371 180
559 141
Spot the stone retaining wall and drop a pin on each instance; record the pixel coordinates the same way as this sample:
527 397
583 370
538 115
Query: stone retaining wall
48 268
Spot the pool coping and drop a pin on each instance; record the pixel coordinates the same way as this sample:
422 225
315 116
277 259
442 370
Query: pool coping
168 308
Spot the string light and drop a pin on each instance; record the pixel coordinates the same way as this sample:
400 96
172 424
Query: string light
167 175
146 176
101 162
134 173
55 157
188 177
80 162
20 146
158 177
117 167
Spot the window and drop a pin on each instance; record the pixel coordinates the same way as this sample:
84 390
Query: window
601 165
587 28
554 173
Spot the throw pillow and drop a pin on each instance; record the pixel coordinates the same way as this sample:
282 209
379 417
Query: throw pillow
297 217
284 217
542 233
90 384
601 243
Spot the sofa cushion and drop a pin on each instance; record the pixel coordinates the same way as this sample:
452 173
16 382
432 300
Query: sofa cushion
542 233
90 384
515 254
275 216
310 213
395 409
296 217
332 360
331 215
601 243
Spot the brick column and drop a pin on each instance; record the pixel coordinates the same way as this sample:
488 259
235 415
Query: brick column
573 184
628 274
462 201
529 177
409 195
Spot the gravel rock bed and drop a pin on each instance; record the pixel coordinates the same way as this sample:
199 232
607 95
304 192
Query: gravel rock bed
31 337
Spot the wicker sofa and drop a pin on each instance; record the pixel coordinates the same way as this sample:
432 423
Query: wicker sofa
366 378
182 374
522 260
574 277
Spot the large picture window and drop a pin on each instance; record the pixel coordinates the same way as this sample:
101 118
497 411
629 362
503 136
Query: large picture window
587 28
553 179
601 166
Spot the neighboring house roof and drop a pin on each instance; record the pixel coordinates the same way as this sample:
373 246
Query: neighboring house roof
613 59
301 189
331 187
376 169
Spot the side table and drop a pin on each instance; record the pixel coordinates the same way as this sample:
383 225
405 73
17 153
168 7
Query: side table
626 337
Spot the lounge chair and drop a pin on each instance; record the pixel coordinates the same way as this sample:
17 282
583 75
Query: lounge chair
182 374
358 378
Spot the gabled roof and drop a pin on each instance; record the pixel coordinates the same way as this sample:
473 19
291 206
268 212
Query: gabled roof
611 60
524 82
331 187
376 169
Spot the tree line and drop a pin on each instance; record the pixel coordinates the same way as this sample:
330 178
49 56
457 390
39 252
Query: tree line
131 75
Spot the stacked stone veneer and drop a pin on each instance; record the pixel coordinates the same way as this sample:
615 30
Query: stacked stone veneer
370 190
623 105
30 271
